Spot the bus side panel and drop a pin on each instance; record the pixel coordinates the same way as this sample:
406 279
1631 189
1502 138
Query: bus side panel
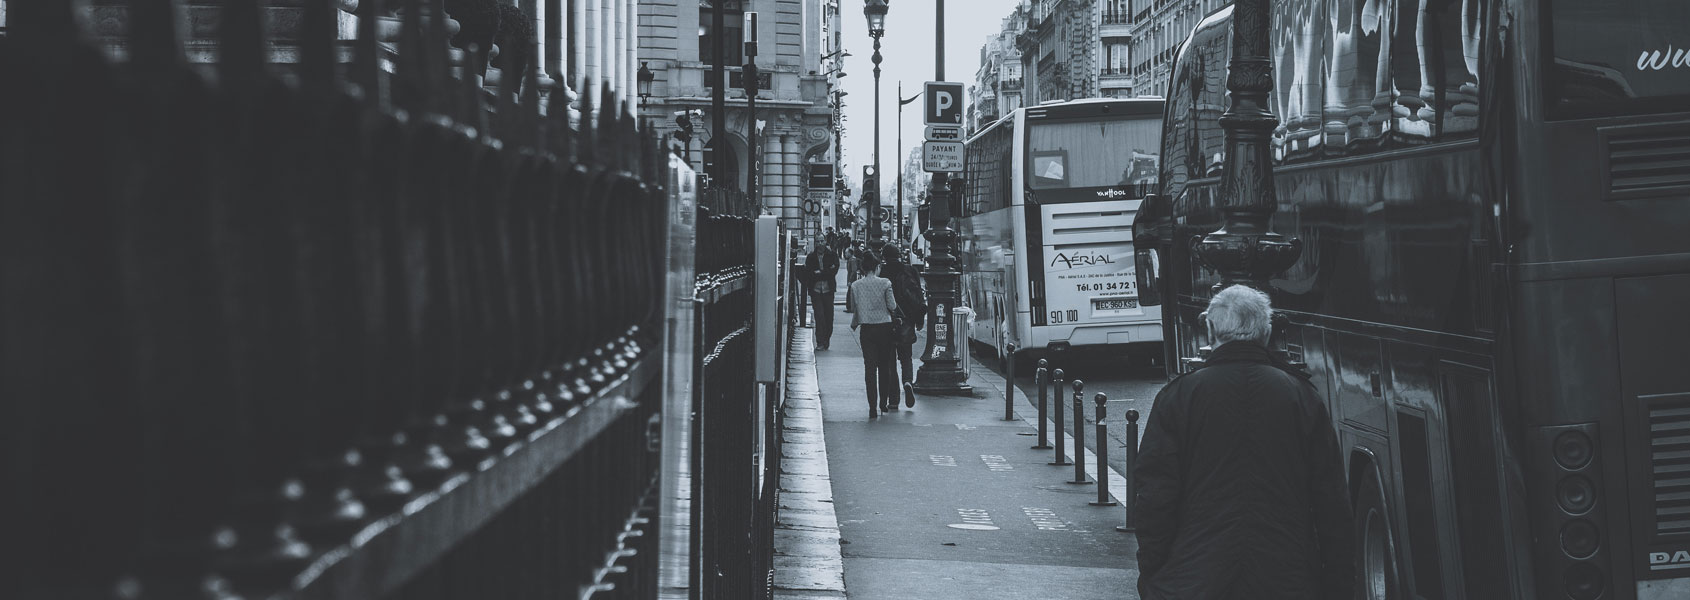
1020 330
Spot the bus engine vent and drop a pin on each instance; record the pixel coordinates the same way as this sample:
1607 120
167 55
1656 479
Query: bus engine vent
1647 162
1669 459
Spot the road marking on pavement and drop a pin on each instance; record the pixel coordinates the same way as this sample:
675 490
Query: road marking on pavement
1117 482
996 463
1045 519
965 427
941 461
976 519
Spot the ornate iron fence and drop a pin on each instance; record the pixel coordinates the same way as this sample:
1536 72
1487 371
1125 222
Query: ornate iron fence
286 336
735 440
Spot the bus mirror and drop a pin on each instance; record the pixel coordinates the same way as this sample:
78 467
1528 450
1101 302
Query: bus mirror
1148 275
1148 221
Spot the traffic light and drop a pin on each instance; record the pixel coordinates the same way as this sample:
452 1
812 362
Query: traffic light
871 184
870 199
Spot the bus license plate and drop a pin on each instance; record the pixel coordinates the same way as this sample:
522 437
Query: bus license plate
1113 304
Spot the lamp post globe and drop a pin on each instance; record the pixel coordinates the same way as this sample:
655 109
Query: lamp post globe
645 78
875 11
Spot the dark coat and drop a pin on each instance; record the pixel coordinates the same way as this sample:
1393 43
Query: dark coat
1240 487
906 289
819 267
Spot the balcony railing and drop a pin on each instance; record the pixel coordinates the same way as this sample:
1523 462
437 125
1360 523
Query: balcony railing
1117 19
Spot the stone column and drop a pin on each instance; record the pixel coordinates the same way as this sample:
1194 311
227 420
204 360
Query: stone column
794 173
584 33
773 167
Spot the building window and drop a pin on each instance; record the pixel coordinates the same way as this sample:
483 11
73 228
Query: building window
733 24
1116 12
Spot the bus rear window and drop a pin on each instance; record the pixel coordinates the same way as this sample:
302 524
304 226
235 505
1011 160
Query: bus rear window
1619 57
1082 154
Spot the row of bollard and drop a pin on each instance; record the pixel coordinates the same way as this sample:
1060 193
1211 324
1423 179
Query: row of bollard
1054 378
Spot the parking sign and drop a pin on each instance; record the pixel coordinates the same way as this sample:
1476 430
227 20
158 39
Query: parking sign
944 103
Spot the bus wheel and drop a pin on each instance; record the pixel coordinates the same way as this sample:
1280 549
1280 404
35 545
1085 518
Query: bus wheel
1375 549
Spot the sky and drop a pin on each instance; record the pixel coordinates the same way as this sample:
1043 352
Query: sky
907 52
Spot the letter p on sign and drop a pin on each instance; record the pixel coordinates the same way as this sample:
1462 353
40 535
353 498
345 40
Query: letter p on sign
944 103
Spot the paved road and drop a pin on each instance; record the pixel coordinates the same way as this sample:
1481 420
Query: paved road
947 501
1126 387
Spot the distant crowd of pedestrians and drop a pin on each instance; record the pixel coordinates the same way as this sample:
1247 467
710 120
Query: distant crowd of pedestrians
886 303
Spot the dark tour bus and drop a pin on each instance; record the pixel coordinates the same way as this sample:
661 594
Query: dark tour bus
1493 295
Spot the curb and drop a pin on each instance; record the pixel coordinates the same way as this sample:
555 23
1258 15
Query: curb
807 563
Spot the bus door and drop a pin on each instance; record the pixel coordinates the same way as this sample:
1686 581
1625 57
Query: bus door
1084 265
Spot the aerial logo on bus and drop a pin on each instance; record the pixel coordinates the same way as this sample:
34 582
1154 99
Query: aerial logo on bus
1081 260
1112 193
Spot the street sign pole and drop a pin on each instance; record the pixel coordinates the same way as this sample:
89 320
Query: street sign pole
941 369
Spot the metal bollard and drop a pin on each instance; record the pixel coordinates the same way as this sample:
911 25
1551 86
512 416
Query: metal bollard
1042 376
1102 454
1009 386
1079 433
1131 498
1060 460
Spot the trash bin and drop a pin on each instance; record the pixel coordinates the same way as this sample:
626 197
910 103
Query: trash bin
959 336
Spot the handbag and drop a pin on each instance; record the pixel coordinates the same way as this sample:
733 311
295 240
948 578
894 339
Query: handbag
904 330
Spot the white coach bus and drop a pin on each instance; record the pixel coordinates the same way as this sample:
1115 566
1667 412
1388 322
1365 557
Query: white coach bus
1046 226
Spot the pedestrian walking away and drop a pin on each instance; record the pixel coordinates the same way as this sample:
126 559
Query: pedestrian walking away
1239 483
875 311
821 268
906 288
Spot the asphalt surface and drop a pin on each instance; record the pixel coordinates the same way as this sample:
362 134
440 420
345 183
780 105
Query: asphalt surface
948 500
1126 386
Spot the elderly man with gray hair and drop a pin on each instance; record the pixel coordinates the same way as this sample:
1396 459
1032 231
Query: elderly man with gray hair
1239 482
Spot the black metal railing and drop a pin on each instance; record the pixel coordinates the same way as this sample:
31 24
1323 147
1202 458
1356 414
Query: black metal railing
267 335
735 444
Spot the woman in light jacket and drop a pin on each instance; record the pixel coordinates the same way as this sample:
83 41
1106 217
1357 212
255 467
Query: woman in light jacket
874 309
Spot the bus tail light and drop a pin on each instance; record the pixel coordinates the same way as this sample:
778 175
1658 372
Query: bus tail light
1572 528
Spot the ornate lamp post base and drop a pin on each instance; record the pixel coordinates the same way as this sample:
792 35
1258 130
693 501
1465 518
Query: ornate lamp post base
941 371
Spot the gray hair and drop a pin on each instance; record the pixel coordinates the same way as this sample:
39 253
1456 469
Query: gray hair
1240 314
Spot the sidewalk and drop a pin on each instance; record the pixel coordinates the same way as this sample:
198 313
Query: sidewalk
947 500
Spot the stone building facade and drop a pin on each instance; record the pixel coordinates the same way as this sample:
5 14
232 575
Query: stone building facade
999 82
1157 28
1114 32
1059 50
675 41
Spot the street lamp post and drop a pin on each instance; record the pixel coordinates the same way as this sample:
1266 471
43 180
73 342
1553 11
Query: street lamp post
941 368
875 12
1244 250
645 77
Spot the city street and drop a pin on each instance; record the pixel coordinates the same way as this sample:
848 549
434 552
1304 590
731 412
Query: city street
947 500
1103 371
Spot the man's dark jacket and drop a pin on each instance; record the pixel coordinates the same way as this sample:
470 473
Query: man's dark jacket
821 267
1240 486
